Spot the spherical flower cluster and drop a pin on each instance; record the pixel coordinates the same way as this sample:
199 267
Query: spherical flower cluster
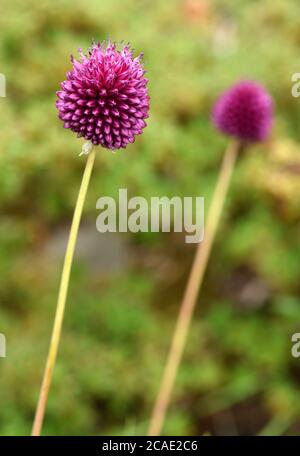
105 98
244 111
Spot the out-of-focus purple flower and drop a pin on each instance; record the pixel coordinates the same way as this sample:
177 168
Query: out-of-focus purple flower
245 111
105 97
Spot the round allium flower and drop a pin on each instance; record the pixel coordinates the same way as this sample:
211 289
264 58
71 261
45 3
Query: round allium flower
105 98
245 111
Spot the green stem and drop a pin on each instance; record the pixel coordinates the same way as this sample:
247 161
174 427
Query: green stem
190 297
61 303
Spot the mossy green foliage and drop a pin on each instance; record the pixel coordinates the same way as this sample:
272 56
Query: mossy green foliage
119 322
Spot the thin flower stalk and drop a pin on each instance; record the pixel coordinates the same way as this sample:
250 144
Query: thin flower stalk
62 296
191 292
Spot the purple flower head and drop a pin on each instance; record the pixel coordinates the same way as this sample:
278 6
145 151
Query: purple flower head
105 97
245 111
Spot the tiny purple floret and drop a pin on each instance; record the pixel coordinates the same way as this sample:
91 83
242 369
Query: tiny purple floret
245 111
105 97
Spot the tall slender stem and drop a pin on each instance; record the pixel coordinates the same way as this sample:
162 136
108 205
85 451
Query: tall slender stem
191 292
63 290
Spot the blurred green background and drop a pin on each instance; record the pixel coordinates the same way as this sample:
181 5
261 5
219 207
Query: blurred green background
238 375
